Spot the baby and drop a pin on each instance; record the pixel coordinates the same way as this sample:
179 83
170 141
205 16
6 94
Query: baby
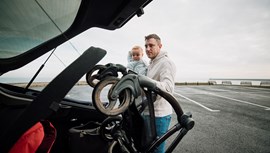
135 61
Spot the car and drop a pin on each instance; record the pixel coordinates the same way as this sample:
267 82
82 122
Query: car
49 121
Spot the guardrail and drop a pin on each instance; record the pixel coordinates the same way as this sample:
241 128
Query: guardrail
242 82
194 83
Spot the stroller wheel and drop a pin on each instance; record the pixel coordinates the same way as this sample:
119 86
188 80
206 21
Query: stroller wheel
113 147
92 78
111 107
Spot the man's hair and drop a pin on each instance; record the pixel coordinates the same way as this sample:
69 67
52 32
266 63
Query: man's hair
155 36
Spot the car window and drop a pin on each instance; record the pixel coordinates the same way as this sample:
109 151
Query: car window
34 22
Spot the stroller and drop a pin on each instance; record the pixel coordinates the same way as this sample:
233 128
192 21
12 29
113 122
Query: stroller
113 125
125 128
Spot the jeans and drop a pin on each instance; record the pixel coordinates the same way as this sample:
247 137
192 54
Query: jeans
162 126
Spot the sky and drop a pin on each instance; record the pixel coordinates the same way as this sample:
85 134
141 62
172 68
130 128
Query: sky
206 39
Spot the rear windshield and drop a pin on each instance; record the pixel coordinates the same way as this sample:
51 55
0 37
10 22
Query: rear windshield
28 23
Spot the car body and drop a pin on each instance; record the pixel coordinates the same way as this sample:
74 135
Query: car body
30 29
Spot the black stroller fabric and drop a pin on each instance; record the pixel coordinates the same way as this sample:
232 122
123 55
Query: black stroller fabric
87 139
136 127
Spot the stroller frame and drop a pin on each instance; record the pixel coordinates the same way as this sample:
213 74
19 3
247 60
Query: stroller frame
132 85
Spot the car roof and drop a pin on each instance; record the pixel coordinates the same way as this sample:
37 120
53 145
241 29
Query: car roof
29 29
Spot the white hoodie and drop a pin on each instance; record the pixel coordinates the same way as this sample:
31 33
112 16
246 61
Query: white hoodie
163 71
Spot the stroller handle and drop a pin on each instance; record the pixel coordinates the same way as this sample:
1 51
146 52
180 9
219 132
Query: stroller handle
136 82
185 120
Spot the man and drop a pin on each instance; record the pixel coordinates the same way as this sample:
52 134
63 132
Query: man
163 71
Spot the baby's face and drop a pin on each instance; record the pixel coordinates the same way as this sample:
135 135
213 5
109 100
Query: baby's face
136 54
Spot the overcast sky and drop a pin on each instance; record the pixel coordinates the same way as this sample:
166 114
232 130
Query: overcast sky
205 38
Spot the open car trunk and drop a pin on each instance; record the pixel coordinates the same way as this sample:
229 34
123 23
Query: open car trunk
31 28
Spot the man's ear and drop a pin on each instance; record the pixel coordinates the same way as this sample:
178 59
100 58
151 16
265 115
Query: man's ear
159 45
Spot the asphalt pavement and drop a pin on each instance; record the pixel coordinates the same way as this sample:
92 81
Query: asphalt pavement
228 119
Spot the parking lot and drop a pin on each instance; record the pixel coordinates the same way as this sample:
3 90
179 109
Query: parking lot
228 118
234 119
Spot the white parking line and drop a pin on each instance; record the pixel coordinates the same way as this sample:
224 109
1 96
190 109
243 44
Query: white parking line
211 110
241 101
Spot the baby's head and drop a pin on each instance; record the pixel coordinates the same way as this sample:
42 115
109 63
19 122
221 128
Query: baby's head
136 53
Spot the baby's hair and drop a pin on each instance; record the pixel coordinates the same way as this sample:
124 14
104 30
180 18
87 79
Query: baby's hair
138 47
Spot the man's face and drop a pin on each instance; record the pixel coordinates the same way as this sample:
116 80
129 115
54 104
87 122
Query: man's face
152 48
